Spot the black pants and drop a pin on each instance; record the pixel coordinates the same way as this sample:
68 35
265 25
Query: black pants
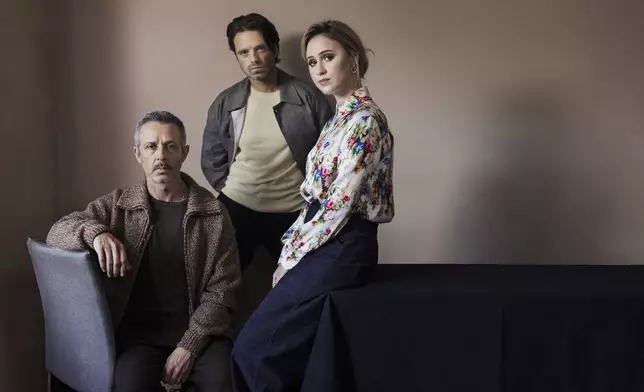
257 228
140 368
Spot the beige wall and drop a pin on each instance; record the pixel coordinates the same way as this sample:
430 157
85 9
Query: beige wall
518 124
27 173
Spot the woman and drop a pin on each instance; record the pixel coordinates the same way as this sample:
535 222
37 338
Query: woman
333 244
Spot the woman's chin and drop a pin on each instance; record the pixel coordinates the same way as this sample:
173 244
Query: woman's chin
326 90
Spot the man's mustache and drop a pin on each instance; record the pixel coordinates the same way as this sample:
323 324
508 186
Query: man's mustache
161 165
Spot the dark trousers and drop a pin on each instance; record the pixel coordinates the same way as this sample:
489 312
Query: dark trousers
257 228
271 352
140 368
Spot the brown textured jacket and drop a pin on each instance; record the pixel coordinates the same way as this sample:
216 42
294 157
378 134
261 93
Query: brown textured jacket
211 255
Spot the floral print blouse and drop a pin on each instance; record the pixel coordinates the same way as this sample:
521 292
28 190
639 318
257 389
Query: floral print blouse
349 172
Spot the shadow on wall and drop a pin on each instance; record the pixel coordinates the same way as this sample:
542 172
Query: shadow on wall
29 38
529 204
292 61
22 322
91 87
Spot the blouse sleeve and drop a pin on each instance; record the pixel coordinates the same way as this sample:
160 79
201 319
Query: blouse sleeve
359 155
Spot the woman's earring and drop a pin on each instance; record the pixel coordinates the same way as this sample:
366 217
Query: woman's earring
353 69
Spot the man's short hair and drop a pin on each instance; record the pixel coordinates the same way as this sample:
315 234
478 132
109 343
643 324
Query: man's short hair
163 117
255 22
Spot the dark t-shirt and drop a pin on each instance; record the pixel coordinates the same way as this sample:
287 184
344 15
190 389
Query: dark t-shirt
157 312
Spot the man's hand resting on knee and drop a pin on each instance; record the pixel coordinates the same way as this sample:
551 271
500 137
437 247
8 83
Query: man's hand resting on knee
111 255
178 366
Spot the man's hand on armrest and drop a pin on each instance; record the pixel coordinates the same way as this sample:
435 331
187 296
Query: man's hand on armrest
111 255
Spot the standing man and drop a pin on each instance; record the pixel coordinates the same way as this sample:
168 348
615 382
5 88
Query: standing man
257 137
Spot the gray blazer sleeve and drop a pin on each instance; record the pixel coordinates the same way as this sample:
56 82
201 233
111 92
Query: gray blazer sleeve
214 158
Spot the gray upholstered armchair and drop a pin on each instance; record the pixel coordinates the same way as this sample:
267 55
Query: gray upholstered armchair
79 338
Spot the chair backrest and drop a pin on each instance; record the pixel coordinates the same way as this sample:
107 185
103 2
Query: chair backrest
79 338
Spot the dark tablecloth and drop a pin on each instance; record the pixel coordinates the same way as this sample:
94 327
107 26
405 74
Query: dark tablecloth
484 328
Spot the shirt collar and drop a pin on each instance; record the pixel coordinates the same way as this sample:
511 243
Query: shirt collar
356 98
288 92
200 200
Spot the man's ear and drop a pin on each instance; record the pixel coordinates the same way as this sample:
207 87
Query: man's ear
137 155
186 150
276 54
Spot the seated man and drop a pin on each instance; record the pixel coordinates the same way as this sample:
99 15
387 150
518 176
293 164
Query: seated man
168 251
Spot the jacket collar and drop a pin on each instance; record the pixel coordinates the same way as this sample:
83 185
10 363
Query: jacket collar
200 200
241 90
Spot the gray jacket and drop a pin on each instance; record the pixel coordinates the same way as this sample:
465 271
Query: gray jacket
301 114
